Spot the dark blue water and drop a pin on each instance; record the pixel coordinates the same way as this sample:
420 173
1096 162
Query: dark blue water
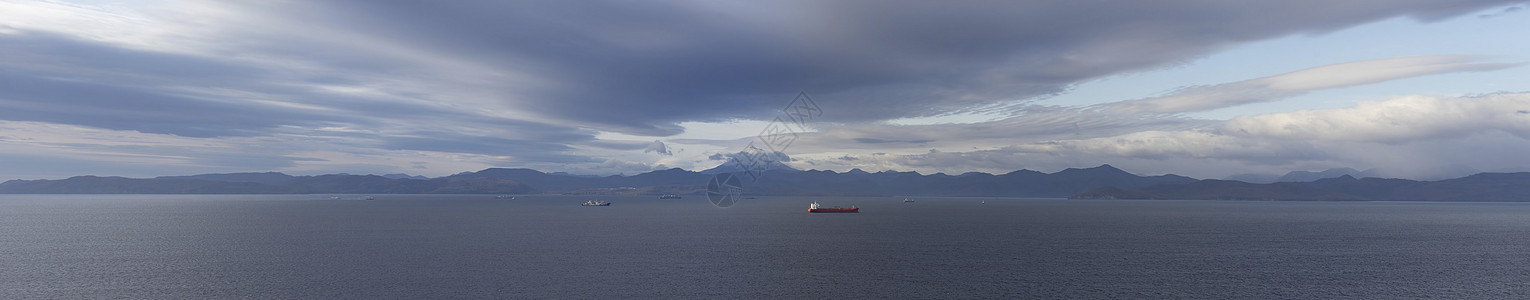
178 247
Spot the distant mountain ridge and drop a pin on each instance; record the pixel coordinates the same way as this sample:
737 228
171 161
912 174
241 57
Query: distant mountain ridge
779 181
1306 176
1102 182
1303 176
237 177
1022 183
1483 187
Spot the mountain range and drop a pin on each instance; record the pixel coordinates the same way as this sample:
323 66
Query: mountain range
1303 176
780 181
1102 182
1482 187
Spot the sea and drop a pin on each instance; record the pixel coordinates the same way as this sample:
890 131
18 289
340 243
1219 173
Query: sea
532 247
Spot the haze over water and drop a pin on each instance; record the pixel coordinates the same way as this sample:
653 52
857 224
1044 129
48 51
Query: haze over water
476 246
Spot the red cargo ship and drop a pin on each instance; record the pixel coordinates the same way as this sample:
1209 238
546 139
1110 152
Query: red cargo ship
813 208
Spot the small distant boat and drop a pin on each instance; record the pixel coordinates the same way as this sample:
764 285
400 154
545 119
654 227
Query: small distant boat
814 208
907 200
334 198
671 196
595 203
369 198
982 201
505 197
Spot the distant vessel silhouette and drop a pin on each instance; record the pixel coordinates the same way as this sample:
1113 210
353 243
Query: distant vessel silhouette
813 208
595 203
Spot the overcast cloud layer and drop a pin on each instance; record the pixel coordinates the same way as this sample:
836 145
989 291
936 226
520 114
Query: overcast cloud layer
599 87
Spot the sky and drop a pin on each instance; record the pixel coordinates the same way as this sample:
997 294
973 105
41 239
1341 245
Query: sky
1419 89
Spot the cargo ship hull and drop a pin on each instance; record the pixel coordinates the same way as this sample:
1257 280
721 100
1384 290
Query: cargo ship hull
814 208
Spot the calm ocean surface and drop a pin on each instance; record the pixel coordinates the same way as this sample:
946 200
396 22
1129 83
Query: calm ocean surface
430 246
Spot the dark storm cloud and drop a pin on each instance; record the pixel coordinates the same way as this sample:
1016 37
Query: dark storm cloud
70 58
535 80
639 67
59 80
55 79
27 98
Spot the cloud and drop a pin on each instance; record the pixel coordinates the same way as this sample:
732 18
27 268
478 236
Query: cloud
1176 144
646 67
32 147
1410 137
730 162
519 149
1025 123
305 85
1019 124
1181 146
658 147
883 141
1398 120
604 167
1505 11
60 80
1201 98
